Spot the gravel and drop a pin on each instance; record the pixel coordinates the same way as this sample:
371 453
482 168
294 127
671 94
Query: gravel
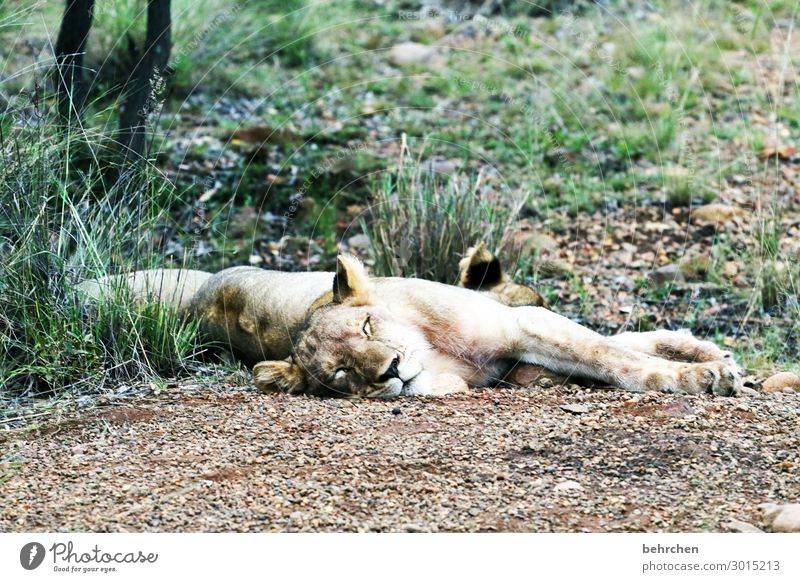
491 460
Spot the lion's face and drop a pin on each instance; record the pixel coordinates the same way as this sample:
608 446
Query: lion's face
360 351
351 347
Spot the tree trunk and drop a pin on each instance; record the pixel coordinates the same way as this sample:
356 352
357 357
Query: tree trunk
70 46
142 90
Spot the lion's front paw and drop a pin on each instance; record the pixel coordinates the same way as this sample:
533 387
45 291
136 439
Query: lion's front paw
447 384
719 377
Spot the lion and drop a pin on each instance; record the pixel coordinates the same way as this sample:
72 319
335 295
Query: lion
256 313
347 334
383 337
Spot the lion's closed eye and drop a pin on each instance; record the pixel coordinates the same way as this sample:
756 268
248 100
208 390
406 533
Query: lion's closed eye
367 327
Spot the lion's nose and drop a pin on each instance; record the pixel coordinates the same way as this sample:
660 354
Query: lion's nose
392 371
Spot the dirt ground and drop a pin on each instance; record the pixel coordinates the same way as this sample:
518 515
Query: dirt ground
501 459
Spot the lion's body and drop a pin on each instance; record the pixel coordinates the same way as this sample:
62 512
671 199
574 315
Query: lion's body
385 337
354 335
253 312
257 312
176 287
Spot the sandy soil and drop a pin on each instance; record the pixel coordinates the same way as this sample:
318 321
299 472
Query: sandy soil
500 459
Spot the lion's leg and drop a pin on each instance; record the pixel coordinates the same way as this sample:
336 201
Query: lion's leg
679 346
566 347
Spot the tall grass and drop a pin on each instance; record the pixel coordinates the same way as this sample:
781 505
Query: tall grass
420 223
62 222
208 37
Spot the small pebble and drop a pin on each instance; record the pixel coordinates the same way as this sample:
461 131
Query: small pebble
575 408
568 486
396 410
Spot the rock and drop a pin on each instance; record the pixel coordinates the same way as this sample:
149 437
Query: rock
781 381
783 518
568 486
358 241
676 409
624 282
717 213
440 166
544 382
396 410
575 408
533 447
782 152
555 269
528 239
741 526
531 374
730 269
666 274
414 53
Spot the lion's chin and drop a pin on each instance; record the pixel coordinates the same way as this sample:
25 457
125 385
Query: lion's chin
419 385
411 387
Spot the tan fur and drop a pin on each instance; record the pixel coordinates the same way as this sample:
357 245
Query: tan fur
347 334
387 337
480 270
256 313
176 287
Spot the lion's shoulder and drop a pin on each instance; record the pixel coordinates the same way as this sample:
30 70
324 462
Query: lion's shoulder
257 311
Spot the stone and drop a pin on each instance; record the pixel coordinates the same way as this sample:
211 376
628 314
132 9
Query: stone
414 53
666 274
568 486
533 447
780 381
527 374
741 526
782 518
575 408
679 408
717 213
555 269
358 241
544 382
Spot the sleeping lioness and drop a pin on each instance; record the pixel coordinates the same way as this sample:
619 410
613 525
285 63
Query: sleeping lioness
349 334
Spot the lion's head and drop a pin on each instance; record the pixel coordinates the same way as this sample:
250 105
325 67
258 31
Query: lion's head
352 347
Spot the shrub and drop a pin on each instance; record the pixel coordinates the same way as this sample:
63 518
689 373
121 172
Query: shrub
59 225
420 222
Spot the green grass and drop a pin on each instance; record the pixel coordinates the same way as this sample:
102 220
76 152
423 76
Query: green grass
420 223
62 223
606 103
777 273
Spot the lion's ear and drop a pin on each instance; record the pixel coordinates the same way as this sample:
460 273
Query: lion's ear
480 269
351 282
280 376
